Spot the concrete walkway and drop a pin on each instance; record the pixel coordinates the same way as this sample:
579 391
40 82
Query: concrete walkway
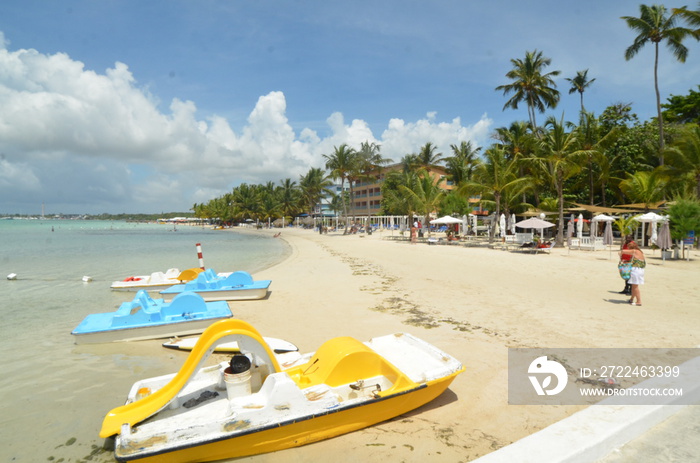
613 433
675 440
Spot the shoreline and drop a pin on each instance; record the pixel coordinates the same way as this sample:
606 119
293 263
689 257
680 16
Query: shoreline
474 303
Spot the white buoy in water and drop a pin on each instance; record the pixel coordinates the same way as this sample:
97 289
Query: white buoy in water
12 276
87 279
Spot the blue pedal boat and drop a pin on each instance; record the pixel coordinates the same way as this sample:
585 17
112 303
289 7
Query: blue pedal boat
148 318
238 286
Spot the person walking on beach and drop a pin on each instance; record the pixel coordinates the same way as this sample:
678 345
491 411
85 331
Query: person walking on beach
637 274
626 258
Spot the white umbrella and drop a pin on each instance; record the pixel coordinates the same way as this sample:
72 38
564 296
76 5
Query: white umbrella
446 220
608 235
600 218
512 223
654 232
534 222
604 218
503 225
474 223
664 239
569 231
650 217
579 226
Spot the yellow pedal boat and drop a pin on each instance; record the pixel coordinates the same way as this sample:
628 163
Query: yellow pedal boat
254 405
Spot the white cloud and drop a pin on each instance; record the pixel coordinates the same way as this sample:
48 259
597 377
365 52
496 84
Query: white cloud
90 142
402 138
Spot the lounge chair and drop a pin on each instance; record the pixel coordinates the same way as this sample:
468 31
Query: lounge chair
544 247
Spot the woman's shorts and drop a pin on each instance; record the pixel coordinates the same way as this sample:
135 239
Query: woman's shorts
636 276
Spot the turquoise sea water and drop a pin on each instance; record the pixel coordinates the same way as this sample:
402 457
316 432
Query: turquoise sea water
53 394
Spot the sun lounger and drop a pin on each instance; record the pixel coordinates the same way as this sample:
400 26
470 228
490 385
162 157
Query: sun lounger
544 247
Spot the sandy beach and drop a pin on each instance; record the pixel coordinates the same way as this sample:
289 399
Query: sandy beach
474 303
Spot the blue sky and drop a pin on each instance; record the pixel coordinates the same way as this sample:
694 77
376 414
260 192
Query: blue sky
149 106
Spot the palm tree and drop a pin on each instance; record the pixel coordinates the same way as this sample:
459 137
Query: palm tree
593 144
496 177
248 201
427 158
314 186
516 140
424 195
579 84
342 165
646 187
369 165
655 26
530 85
626 225
270 207
463 162
684 156
394 202
288 195
692 17
559 160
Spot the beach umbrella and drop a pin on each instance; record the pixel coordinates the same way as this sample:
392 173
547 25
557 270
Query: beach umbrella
474 223
654 231
664 239
604 218
579 226
600 218
608 235
534 222
650 217
503 225
570 231
446 220
512 223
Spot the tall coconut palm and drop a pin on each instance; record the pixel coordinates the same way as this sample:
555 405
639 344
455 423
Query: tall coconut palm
288 195
531 85
394 201
427 158
496 177
463 162
270 207
424 196
342 164
559 159
516 140
314 186
655 25
593 143
579 84
248 201
369 164
692 17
